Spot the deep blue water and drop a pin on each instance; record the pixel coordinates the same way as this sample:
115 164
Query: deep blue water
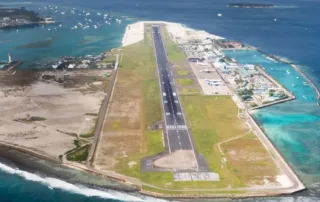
293 126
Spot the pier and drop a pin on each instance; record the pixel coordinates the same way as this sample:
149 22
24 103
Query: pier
13 65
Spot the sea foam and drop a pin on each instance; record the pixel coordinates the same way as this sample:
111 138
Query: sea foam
53 183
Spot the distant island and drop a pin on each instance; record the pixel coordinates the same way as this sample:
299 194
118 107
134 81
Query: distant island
250 5
21 17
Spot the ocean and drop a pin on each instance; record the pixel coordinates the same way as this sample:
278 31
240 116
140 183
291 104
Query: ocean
291 30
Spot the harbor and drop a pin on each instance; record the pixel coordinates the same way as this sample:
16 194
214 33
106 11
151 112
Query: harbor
295 66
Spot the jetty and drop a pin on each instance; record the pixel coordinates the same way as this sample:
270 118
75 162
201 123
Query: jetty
13 65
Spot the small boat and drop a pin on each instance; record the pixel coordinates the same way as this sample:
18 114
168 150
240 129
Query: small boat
288 72
304 97
293 85
298 77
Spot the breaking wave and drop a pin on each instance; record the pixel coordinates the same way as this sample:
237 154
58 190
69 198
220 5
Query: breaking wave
53 183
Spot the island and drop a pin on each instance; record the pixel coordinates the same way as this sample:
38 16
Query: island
250 5
21 17
169 114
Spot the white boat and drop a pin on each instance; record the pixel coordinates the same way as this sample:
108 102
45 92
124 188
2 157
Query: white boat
62 13
293 85
95 26
288 72
304 97
87 14
219 14
298 77
118 21
99 14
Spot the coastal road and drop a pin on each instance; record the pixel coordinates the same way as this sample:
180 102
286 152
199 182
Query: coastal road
178 135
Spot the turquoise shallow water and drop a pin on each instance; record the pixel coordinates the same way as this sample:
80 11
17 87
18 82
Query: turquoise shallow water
51 41
292 126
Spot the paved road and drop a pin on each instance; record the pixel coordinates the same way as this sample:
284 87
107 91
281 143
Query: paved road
102 115
178 134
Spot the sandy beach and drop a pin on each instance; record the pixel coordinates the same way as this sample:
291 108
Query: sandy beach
135 32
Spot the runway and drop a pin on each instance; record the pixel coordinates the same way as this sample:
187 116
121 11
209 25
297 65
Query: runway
177 131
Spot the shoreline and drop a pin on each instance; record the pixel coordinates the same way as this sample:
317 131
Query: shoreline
35 162
127 41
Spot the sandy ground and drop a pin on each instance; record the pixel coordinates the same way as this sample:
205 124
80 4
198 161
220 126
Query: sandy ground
135 32
121 133
177 160
64 109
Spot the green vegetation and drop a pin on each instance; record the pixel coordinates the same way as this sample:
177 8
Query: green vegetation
260 163
271 92
86 135
76 143
109 59
184 82
188 91
175 54
138 63
169 192
183 73
137 70
79 154
130 166
31 119
213 119
37 118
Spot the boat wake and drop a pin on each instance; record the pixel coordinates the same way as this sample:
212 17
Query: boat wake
283 7
53 183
